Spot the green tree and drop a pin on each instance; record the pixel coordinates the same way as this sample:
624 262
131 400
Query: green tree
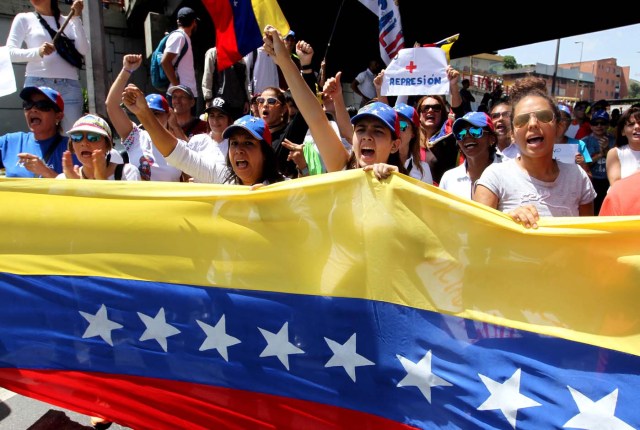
634 90
509 62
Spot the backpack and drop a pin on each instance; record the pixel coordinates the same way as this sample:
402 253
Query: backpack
158 76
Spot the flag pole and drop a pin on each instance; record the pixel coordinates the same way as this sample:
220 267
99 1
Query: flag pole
335 23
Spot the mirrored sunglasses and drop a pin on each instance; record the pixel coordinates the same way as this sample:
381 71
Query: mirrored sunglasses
545 116
41 105
269 100
473 132
404 125
435 108
91 137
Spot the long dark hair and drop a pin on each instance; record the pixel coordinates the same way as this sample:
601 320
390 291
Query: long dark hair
56 10
270 172
632 112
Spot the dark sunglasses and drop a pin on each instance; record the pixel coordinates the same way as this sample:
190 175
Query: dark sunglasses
269 100
598 123
404 125
545 116
41 105
91 137
497 115
474 132
435 108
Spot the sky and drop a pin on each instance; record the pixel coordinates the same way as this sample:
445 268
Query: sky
619 43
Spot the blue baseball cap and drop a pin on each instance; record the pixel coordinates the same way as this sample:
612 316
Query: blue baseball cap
49 93
291 33
157 102
384 113
564 108
600 114
409 113
255 126
477 119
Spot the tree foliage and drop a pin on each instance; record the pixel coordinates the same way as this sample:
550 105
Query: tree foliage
634 90
509 62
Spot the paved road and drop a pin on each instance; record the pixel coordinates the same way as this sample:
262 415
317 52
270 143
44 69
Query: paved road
21 413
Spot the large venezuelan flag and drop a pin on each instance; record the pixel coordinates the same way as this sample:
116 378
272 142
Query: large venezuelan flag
239 25
334 301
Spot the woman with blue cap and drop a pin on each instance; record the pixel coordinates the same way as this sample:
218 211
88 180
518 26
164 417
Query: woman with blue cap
38 152
250 159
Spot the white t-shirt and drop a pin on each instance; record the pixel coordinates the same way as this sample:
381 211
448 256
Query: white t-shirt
129 173
265 71
629 161
414 172
185 70
514 188
26 29
146 157
208 147
457 181
201 166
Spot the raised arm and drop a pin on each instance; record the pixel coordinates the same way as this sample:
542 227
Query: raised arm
135 101
333 90
331 149
117 114
454 89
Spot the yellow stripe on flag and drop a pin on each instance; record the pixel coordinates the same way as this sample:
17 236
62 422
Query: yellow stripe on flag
268 12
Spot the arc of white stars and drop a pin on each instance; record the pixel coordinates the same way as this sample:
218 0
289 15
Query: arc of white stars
345 355
100 325
599 415
157 328
278 345
421 376
506 396
217 337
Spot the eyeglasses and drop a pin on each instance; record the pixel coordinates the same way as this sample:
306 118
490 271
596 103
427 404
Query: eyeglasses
41 105
497 115
474 132
404 125
271 101
545 116
435 108
91 137
598 123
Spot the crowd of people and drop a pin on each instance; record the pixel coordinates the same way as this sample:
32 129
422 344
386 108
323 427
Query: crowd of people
279 120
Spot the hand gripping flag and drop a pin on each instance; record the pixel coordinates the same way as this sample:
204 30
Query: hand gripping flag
334 301
389 26
239 25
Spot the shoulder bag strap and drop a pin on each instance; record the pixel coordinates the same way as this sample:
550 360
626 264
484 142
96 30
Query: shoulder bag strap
117 175
52 149
52 33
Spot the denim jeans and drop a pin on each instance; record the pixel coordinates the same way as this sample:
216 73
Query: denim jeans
71 93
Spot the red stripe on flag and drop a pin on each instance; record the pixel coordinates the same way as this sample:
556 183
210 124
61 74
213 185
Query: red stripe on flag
149 403
226 39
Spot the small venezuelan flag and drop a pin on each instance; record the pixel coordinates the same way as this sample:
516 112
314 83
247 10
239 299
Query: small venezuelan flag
239 25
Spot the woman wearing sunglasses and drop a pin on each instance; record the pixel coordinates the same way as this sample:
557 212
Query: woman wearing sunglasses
477 140
38 152
534 184
409 149
437 145
90 140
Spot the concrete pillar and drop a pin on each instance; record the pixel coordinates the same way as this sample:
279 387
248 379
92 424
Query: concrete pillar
96 59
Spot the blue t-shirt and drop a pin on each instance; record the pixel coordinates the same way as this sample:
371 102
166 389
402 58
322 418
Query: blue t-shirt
11 144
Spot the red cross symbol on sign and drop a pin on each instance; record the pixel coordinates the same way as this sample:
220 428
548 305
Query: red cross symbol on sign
411 67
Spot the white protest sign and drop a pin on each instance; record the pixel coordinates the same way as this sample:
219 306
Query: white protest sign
565 152
8 82
416 71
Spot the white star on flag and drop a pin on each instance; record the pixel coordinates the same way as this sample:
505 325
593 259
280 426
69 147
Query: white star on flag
278 345
420 375
157 328
100 325
217 337
345 355
596 415
506 397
